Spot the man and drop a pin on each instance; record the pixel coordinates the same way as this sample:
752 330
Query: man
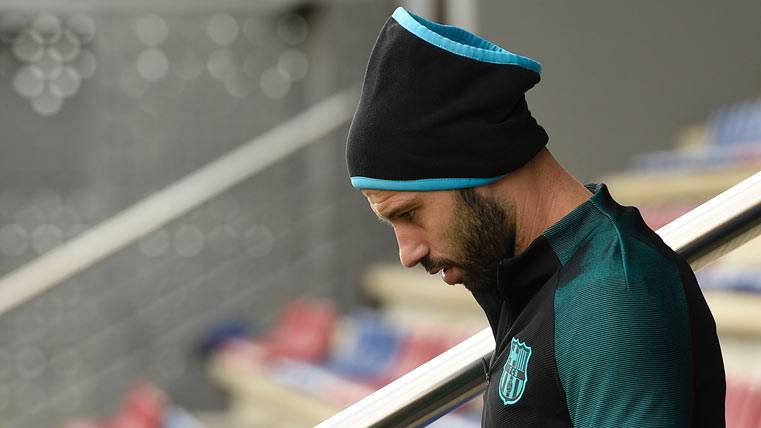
597 322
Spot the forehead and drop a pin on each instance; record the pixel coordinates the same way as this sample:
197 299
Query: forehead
388 197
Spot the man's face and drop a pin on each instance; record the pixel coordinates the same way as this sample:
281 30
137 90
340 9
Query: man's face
460 233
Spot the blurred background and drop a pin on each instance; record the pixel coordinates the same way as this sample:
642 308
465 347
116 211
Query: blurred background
179 242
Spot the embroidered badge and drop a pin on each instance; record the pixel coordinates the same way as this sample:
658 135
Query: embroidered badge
514 377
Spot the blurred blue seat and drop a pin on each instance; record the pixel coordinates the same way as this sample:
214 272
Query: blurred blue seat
367 348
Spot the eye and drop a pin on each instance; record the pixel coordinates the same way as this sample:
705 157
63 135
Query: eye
408 215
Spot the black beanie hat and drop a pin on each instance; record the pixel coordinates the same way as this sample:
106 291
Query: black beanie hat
441 108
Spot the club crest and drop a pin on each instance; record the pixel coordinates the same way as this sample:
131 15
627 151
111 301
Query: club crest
514 377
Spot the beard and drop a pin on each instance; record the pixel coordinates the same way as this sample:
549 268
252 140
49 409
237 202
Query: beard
483 235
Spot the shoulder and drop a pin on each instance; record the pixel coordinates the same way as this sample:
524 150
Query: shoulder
618 278
621 260
622 329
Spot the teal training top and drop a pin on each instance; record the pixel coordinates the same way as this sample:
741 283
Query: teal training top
598 323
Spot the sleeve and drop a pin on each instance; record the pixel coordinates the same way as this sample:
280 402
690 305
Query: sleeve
623 349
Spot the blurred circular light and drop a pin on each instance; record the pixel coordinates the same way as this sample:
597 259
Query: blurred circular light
48 26
152 30
66 83
221 63
67 47
294 64
29 81
46 237
222 28
85 63
47 103
238 84
13 240
152 64
223 239
83 26
11 24
258 241
188 66
188 240
28 46
275 83
292 28
49 63
155 244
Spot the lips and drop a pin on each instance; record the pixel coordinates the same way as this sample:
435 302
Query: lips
449 276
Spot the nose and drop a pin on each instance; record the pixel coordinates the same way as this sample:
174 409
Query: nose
412 248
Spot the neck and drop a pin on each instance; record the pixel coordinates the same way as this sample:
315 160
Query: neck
546 194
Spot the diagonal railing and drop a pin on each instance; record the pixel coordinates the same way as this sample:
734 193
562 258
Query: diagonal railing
176 199
430 391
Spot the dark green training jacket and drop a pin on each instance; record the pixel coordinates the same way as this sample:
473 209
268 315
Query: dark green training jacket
598 323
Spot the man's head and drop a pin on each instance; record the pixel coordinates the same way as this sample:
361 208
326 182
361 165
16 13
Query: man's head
462 234
441 123
441 109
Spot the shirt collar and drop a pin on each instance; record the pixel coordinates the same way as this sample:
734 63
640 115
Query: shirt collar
576 227
522 275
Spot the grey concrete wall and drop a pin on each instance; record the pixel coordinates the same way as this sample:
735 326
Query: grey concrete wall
620 78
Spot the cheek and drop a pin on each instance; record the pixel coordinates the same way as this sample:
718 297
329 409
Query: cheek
458 236
445 241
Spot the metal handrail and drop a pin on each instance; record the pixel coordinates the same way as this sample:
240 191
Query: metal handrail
175 200
456 376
